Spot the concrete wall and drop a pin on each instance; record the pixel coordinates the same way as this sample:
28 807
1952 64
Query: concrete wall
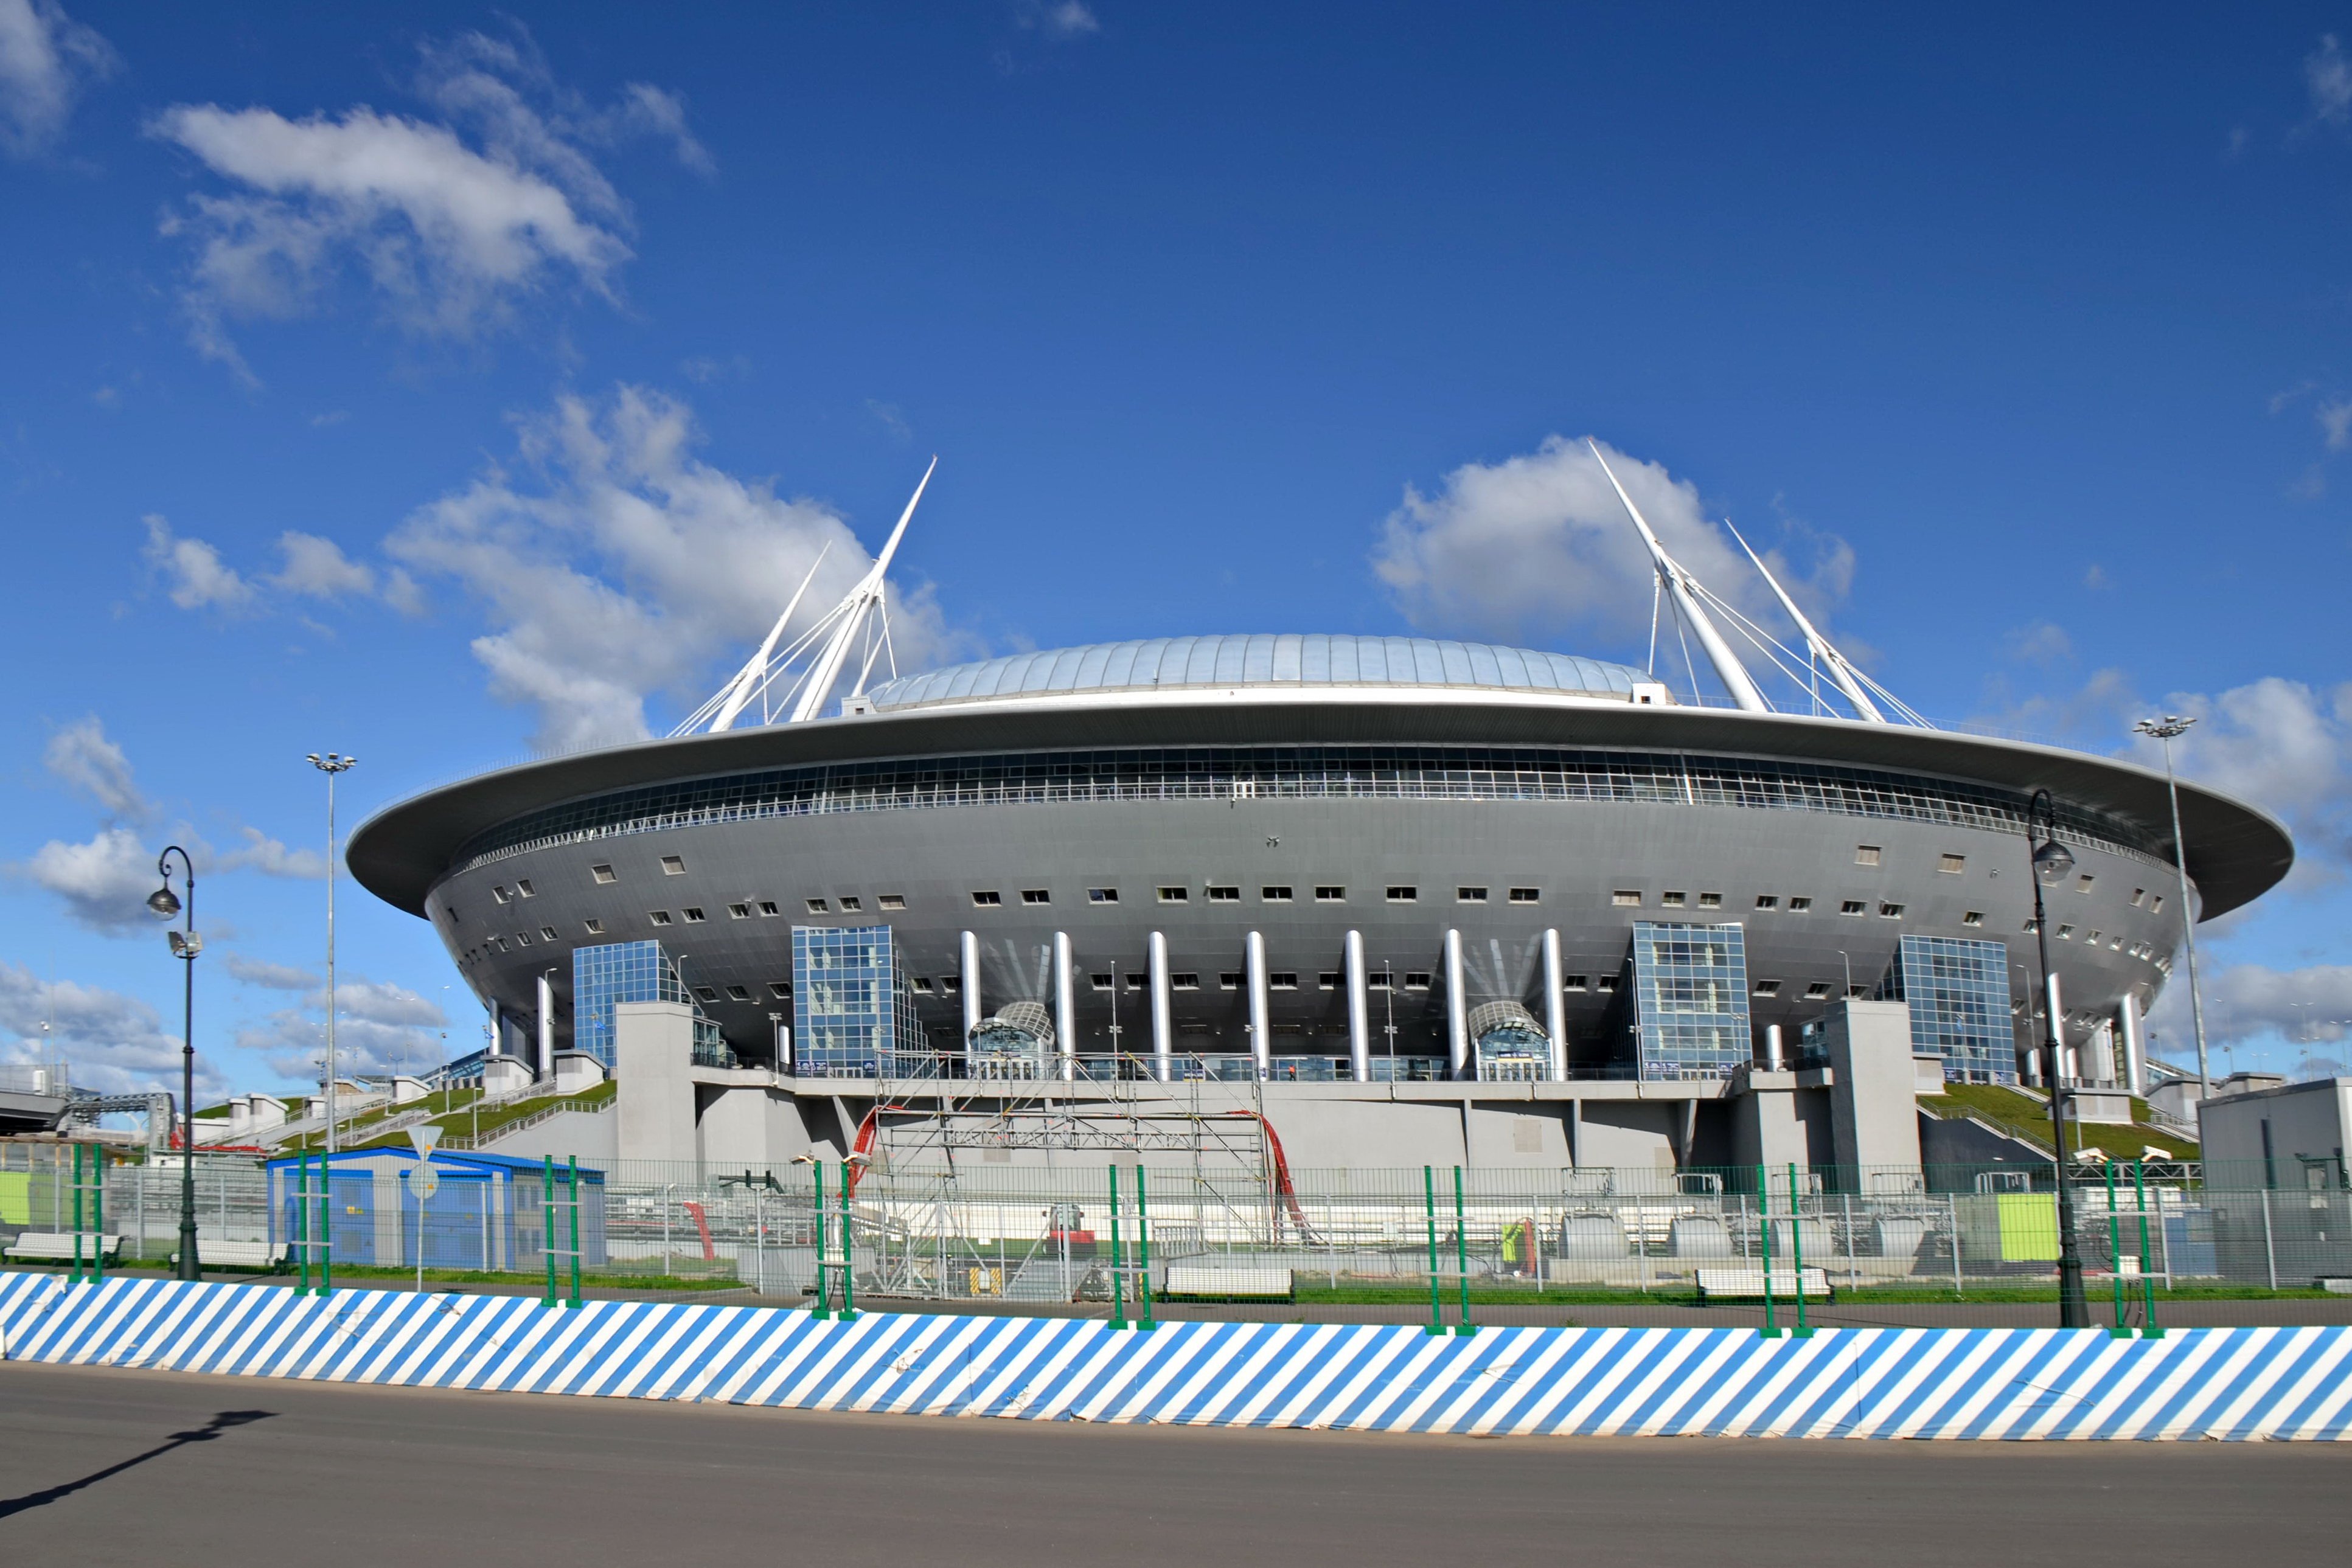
1873 1102
653 1054
2307 1122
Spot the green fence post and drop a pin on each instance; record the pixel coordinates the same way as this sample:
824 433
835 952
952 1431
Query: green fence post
823 1309
1429 1203
848 1254
301 1227
1772 1329
2148 1328
1118 1301
573 1181
1462 1254
75 1277
1797 1251
1142 1255
326 1241
547 1210
98 1222
2115 1257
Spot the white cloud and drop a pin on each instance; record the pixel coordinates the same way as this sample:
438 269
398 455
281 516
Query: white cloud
268 976
2328 76
317 569
379 1028
47 58
2280 744
630 567
451 223
82 755
1537 546
196 576
2335 417
108 1041
2043 643
2245 1001
104 882
271 858
1057 18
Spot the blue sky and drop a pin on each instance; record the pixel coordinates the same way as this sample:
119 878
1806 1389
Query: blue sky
435 383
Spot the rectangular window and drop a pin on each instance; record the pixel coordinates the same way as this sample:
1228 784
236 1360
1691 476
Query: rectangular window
523 938
693 916
1330 894
1710 900
893 901
739 912
1572 983
951 985
2031 925
1866 854
1229 981
1282 980
595 928
547 933
1853 907
1416 980
1817 991
1036 895
1184 980
602 873
1890 912
1173 895
1799 906
1136 982
1274 895
1973 918
738 993
1952 863
1527 895
1102 982
2093 937
781 990
501 895
1626 898
2137 894
1403 895
1672 900
1469 896
985 900
673 865
498 944
2065 934
922 984
852 904
1380 982
1102 895
1767 901
1767 988
768 906
1330 980
659 916
526 890
817 906
2155 905
706 993
1605 983
1220 893
2083 883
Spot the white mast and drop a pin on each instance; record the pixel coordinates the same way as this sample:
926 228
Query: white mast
753 674
1685 589
851 614
1843 673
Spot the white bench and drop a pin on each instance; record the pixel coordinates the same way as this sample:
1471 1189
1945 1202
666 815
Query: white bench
1255 1284
57 1247
239 1254
1748 1285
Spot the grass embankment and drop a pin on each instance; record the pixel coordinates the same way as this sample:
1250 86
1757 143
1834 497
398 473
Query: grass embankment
2027 1117
464 1119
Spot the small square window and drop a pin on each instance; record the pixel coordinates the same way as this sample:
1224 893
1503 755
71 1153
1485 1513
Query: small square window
1329 894
892 901
1274 895
1282 980
987 900
706 993
1866 854
2065 934
1383 981
1973 918
1036 895
739 912
526 890
818 906
1767 901
595 928
1626 898
2093 937
602 873
1403 895
1102 982
922 984
1469 896
1856 993
1220 893
1890 912
672 865
1817 991
1853 907
501 895
1799 906
659 916
1173 895
2083 883
780 989
2137 894
951 983
1710 900
1527 895
1416 980
2031 925
1330 980
547 933
1605 983
1102 895
498 944
693 916
1952 863
851 905
1572 983
1229 981
1184 980
738 993
1136 982
2155 905
1767 988
768 906
524 938
1672 900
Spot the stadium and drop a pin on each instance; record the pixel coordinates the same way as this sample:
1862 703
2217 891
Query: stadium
1382 900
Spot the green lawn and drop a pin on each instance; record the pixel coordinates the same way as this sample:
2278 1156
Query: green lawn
2025 1118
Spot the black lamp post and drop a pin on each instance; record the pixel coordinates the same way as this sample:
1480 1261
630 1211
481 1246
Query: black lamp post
185 945
2051 862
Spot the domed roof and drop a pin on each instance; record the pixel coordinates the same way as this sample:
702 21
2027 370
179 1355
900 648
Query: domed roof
1287 659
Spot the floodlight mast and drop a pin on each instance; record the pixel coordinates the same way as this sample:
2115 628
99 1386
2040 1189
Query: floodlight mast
1684 587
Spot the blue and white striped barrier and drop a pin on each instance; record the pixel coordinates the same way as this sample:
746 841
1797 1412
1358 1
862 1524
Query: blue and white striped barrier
2243 1382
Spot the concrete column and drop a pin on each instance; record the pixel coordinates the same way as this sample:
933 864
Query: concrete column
1458 1017
1775 1058
546 1026
1261 1030
1555 1013
2057 1028
1359 1010
968 981
1065 1007
1163 1022
2127 1026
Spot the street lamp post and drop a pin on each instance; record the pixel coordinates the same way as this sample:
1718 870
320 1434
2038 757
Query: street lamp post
2166 730
185 945
331 764
2051 862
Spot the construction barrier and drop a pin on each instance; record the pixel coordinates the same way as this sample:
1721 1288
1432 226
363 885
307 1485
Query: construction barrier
2039 1384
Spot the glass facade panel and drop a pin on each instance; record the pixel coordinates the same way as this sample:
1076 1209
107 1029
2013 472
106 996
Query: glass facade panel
1958 993
631 972
853 1015
1690 999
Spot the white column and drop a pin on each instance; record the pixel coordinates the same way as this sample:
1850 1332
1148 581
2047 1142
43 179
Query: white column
1457 1017
968 981
1555 1007
2058 1069
546 1027
1261 1031
2127 1025
1163 1023
1359 1010
1775 1057
1065 1007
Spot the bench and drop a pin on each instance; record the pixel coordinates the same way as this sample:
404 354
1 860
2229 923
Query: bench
239 1254
57 1247
1199 1280
1748 1285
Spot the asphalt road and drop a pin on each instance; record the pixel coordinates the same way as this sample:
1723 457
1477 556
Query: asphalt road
122 1466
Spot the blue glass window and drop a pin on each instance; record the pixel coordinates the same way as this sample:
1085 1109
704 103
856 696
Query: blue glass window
852 1014
631 972
1957 991
1690 999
